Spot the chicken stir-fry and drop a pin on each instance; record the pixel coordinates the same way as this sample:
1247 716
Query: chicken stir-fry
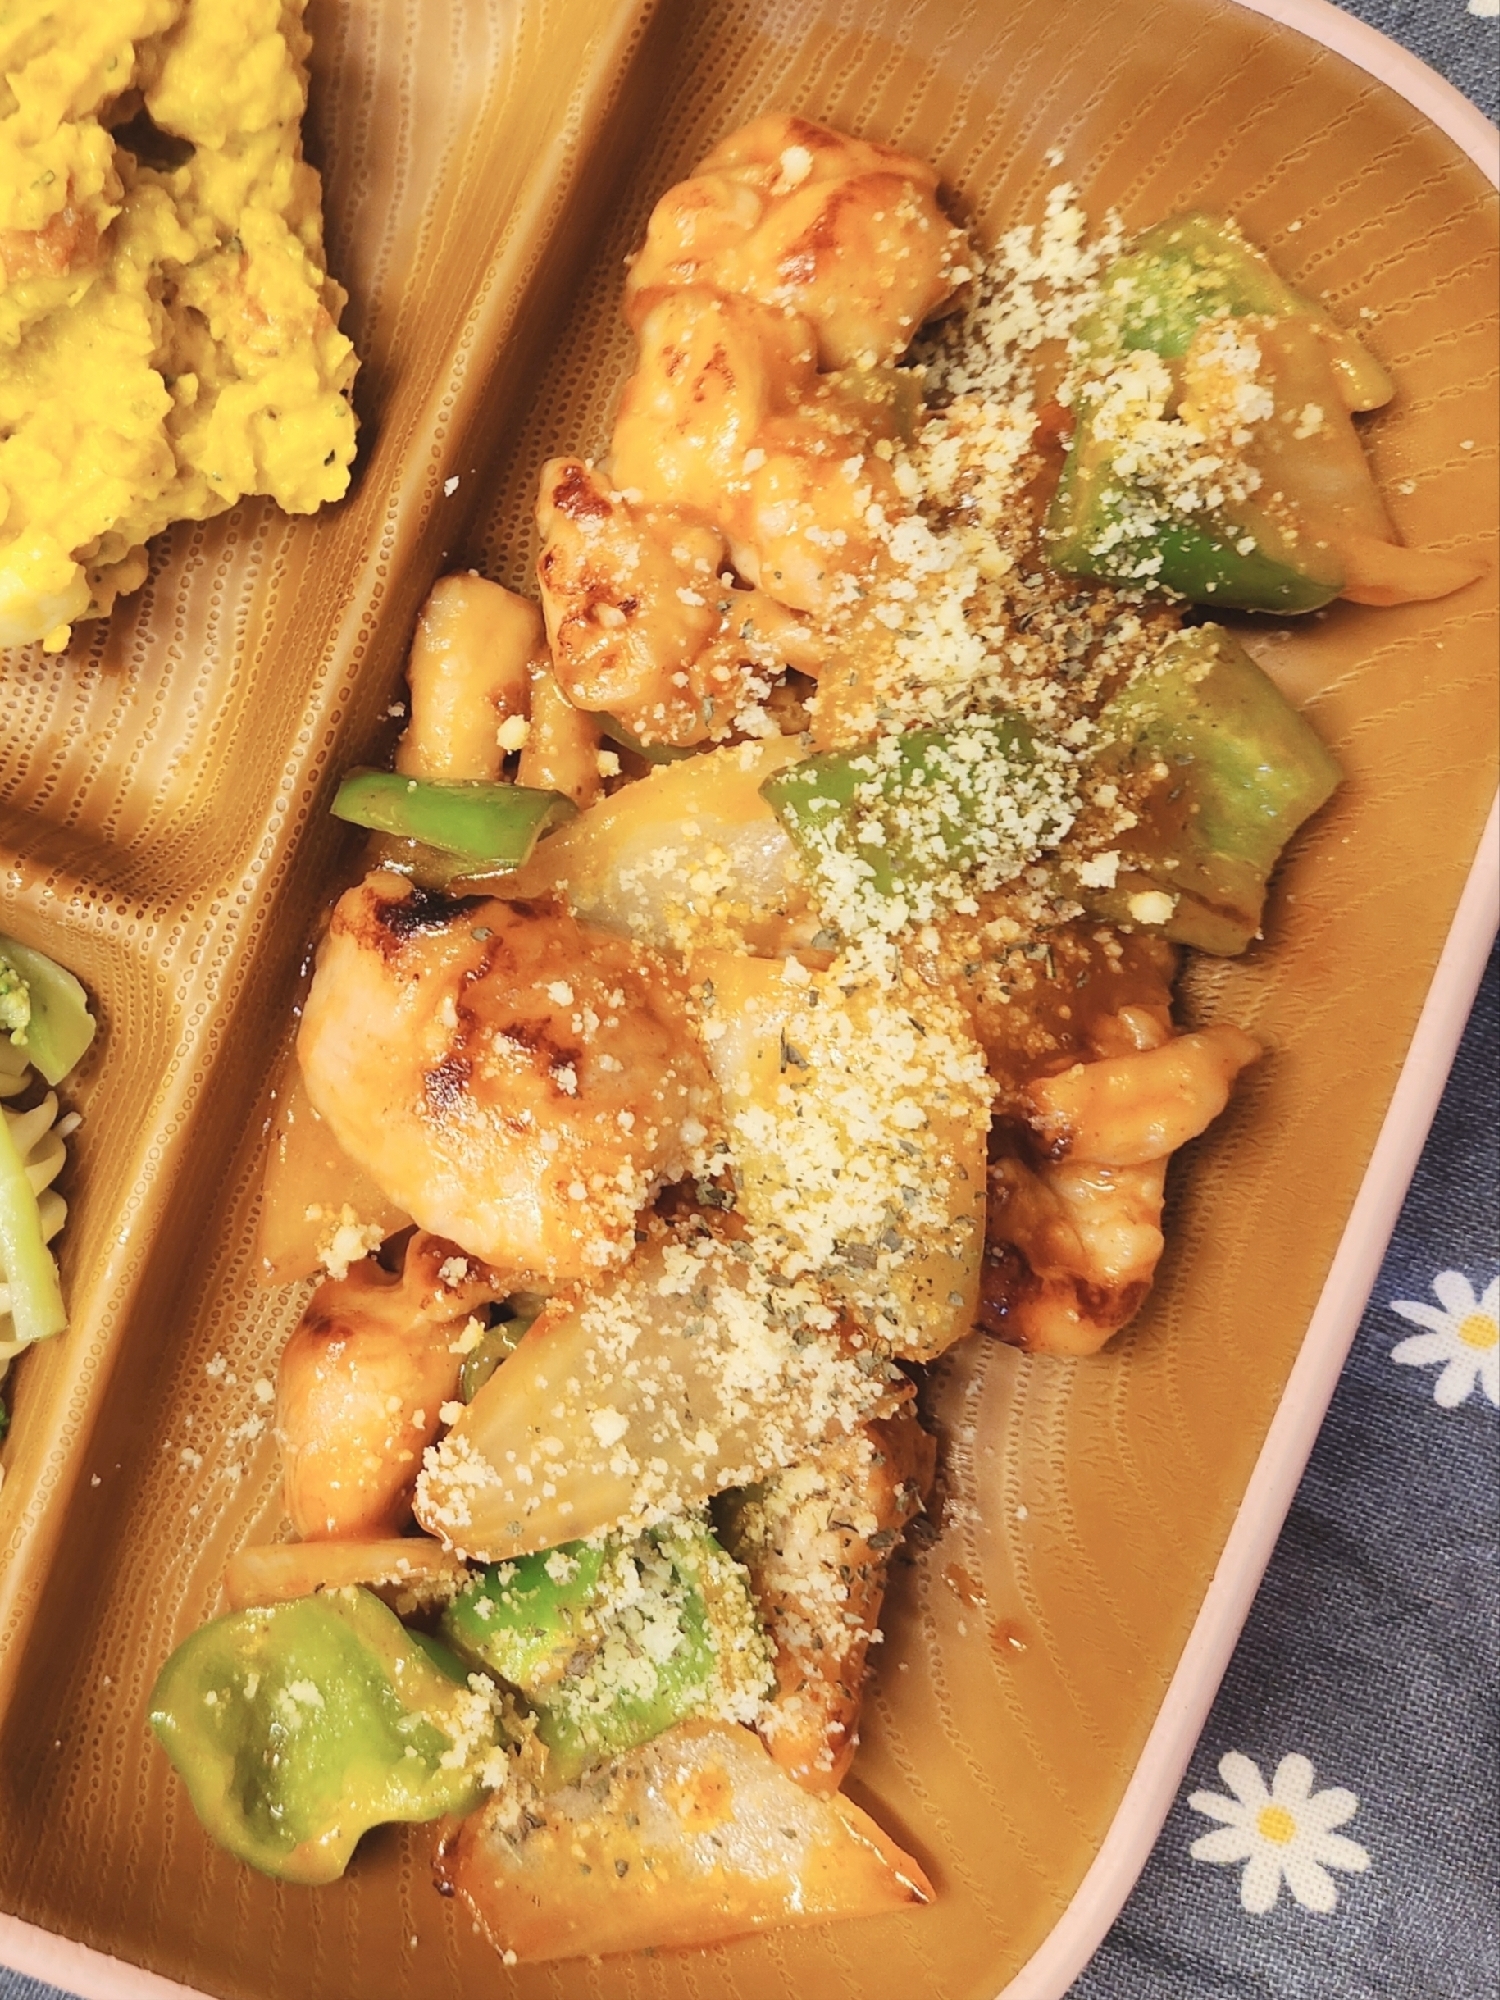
721 1033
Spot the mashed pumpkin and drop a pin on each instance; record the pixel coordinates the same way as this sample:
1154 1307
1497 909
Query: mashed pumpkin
168 333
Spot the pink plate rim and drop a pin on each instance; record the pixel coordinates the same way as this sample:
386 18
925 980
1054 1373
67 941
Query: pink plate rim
89 1974
1464 123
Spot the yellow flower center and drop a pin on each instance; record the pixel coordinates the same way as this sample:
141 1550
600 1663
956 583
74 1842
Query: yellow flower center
1275 1823
1478 1329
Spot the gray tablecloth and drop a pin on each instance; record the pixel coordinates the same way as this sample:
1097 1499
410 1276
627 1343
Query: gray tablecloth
1338 1833
1457 37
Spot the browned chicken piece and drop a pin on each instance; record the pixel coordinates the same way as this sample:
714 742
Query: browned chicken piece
726 419
469 674
846 232
628 592
562 741
640 617
1070 1252
713 371
1074 1231
513 1079
694 1838
794 250
1130 1109
817 1541
362 1383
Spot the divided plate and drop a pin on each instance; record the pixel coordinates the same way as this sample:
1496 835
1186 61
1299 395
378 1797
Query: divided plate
163 831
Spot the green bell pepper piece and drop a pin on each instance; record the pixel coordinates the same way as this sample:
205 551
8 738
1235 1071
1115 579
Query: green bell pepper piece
614 1641
524 1620
1245 565
653 753
1176 279
442 1657
1243 770
677 1636
43 1009
487 828
1197 267
298 1726
911 810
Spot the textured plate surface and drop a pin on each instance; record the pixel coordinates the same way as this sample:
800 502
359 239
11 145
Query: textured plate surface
161 829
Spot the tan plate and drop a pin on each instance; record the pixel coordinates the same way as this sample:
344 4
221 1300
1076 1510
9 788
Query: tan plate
162 829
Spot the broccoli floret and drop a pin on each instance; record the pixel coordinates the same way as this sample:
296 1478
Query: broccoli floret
15 1003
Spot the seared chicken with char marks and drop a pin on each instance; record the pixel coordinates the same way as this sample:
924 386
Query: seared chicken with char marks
516 1081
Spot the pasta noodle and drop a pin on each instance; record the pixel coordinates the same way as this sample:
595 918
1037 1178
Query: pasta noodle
45 1027
38 1135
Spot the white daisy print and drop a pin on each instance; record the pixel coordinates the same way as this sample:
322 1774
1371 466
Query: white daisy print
1285 1834
1464 1335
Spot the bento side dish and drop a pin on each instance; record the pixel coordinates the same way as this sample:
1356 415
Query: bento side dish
169 335
45 1029
761 979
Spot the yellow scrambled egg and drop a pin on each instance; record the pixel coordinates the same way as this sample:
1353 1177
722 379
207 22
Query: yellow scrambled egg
168 333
